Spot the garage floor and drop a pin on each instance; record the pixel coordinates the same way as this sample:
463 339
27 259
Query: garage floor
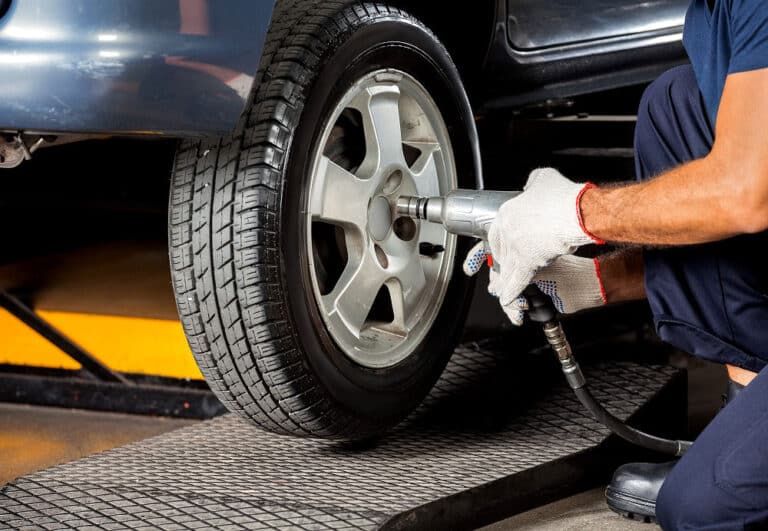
583 511
34 438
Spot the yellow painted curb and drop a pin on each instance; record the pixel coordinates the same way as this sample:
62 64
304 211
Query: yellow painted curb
126 344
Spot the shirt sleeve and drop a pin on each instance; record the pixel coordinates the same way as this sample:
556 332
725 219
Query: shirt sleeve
749 35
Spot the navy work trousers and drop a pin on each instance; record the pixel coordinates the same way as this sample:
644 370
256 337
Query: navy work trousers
709 300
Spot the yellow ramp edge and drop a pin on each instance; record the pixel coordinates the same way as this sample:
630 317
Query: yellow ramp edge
125 344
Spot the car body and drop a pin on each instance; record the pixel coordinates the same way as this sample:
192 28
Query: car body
185 67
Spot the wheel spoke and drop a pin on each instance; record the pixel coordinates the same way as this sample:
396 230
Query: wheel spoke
338 196
352 298
380 109
427 167
406 293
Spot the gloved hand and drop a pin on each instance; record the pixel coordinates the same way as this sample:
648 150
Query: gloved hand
573 283
534 228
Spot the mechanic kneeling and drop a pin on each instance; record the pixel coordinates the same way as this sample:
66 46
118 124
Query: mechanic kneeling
701 212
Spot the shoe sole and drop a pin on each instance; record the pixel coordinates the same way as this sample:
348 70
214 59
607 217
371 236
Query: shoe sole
630 507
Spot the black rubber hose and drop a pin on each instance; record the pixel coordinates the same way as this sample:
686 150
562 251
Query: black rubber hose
628 433
541 310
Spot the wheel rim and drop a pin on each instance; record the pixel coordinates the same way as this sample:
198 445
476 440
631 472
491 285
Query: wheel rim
377 294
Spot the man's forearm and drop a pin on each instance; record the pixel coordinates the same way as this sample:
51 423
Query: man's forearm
718 196
691 204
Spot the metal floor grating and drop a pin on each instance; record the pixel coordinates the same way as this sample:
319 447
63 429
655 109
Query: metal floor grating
484 436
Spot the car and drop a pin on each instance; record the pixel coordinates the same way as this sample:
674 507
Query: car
312 309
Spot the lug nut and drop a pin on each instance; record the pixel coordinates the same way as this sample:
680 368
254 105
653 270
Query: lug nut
430 249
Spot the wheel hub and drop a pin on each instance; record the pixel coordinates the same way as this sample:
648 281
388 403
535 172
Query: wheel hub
379 218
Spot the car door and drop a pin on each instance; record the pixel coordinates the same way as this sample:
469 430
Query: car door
536 24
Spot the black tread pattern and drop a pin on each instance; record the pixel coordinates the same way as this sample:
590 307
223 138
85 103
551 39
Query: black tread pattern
223 474
224 227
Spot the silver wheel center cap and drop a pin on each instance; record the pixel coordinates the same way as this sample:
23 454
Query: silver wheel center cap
379 218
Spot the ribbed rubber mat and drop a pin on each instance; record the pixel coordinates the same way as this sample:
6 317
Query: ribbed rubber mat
484 421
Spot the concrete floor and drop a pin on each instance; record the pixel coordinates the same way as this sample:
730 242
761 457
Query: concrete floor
583 511
34 438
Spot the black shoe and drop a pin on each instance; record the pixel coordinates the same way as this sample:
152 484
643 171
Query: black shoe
633 490
635 486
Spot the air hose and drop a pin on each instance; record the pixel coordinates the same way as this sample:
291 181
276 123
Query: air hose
542 311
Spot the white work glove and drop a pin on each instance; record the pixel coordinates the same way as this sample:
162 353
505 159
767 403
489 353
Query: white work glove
534 228
573 283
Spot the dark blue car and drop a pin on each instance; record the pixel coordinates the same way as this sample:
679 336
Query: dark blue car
310 309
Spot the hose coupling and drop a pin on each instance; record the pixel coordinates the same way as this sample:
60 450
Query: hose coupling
556 338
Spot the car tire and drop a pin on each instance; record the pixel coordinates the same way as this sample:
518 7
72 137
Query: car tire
244 277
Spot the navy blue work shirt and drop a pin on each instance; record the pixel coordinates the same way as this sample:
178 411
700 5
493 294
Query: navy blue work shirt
724 37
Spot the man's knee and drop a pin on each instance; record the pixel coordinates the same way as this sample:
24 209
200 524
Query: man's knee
693 497
665 94
672 124
680 505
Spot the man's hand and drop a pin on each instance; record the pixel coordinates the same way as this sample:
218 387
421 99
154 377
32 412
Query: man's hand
573 284
535 228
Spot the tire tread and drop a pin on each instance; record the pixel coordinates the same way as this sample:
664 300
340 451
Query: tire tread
224 219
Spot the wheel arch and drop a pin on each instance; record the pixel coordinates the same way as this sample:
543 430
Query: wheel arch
469 54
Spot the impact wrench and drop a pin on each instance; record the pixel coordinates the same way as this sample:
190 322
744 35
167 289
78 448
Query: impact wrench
470 213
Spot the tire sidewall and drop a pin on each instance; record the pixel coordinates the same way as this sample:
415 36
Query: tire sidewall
387 42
